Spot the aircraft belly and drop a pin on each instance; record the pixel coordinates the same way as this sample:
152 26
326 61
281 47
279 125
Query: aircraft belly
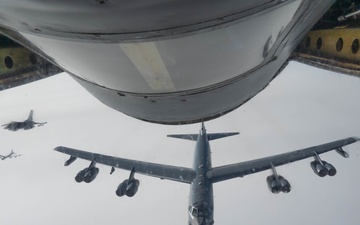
190 69
123 20
201 197
186 107
197 60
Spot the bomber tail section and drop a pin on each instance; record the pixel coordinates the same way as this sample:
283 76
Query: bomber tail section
191 137
211 136
215 136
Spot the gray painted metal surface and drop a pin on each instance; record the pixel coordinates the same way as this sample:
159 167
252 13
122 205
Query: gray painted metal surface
180 174
173 69
202 176
245 168
109 21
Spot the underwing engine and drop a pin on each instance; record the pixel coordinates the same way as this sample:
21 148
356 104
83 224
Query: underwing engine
128 187
322 168
88 174
277 183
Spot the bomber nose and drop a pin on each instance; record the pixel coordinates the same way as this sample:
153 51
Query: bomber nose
200 221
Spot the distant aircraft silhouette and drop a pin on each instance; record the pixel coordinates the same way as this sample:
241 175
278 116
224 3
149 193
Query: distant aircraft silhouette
12 154
26 125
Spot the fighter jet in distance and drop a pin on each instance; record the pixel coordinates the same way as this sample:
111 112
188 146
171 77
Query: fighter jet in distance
12 154
28 124
202 176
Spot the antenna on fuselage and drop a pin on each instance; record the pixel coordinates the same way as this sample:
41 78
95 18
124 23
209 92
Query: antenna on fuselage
203 130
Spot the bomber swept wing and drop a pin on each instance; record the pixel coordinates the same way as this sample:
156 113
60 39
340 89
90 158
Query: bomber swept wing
249 167
180 174
216 174
2 157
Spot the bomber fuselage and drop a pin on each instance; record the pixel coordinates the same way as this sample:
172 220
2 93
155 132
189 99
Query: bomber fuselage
201 203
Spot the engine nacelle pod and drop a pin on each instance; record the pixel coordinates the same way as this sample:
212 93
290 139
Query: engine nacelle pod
91 174
273 184
330 168
87 175
284 185
80 176
132 188
121 189
318 169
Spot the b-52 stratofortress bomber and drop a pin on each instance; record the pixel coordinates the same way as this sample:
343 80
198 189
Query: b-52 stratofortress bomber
202 176
12 154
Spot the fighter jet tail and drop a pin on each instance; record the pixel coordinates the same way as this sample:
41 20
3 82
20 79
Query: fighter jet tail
31 115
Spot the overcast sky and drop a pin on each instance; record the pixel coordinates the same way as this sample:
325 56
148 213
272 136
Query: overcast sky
304 106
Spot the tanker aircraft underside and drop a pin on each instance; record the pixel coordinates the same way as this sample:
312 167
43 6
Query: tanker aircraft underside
167 62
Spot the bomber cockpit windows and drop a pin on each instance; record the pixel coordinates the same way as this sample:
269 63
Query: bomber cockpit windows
193 211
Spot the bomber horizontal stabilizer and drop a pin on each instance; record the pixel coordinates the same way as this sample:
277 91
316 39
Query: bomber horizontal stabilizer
194 137
214 136
191 137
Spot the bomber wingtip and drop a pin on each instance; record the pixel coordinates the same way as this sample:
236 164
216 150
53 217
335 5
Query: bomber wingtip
58 148
356 138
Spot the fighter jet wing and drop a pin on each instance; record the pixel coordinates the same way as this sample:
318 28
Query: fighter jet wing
174 173
231 171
